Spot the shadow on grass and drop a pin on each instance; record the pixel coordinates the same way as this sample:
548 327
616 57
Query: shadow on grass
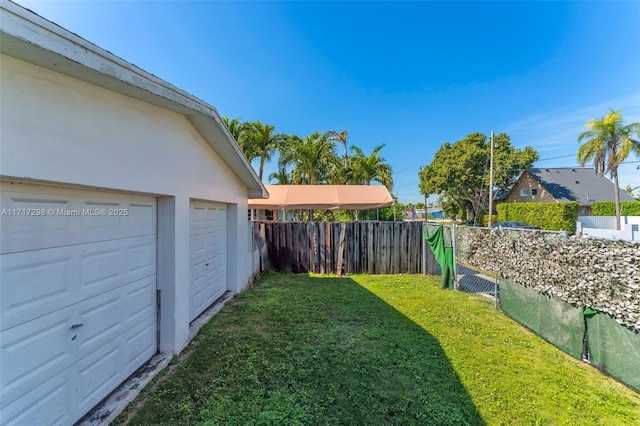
311 350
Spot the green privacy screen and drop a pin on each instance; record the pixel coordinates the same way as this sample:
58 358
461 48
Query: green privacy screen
548 316
614 348
439 239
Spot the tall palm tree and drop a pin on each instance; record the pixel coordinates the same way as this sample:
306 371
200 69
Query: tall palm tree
313 157
234 125
263 141
238 130
281 177
373 167
287 154
312 161
341 137
607 143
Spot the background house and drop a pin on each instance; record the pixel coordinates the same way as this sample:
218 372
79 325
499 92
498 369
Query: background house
123 204
548 185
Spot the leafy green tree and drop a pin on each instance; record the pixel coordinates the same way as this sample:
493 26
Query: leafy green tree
392 212
263 141
460 171
607 142
366 169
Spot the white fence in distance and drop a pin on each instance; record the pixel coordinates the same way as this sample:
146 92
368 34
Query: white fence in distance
605 227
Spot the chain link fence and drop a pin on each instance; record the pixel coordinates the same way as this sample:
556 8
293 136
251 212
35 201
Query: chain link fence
581 295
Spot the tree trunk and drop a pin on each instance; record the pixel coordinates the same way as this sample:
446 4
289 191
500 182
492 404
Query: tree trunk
617 198
261 166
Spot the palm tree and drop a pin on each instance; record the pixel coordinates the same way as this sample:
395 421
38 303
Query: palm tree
341 137
607 143
238 130
234 125
281 177
630 190
313 158
367 169
263 141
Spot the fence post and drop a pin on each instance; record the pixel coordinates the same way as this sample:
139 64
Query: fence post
343 229
495 290
455 268
424 251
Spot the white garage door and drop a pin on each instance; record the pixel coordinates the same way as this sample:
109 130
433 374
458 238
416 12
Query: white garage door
78 298
208 277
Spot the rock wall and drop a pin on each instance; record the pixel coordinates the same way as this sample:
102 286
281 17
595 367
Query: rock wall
601 274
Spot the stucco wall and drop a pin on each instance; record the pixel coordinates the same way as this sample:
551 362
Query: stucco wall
528 182
58 129
543 196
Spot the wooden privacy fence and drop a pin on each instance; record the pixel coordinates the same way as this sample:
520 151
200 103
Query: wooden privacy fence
348 247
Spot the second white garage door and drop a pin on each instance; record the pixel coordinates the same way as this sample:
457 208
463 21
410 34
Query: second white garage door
208 276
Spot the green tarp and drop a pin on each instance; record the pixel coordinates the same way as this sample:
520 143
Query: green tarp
548 316
440 244
614 348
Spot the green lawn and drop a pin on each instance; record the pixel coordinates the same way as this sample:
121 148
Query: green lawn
300 350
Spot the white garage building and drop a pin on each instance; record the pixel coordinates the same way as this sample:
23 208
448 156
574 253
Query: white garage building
124 216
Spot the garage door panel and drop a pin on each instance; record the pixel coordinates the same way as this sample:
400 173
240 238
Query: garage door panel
140 300
44 405
198 243
198 299
35 352
97 374
141 258
140 344
71 216
101 266
102 320
40 282
28 282
24 225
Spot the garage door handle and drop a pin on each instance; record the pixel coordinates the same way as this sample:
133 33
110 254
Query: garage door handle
74 326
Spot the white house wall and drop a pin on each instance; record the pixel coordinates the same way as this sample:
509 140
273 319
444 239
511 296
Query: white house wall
58 129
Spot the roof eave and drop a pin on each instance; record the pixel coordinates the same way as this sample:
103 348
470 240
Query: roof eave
31 38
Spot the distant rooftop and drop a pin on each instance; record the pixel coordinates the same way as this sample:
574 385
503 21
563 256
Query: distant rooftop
580 184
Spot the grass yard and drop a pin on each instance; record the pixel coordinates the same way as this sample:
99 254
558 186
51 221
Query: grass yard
371 350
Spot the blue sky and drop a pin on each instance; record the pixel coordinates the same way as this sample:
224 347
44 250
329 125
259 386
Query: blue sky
411 75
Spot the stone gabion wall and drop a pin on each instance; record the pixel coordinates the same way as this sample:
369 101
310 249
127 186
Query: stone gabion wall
601 274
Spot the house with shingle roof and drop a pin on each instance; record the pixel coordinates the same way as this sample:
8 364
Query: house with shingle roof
563 184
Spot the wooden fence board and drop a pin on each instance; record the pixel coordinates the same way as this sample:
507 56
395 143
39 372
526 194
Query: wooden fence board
365 247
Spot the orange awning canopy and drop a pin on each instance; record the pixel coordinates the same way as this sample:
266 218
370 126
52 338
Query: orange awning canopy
323 197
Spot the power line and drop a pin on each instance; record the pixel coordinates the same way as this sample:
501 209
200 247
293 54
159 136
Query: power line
555 158
485 171
543 159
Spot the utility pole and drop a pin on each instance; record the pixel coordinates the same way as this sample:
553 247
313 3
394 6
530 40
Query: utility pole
491 183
